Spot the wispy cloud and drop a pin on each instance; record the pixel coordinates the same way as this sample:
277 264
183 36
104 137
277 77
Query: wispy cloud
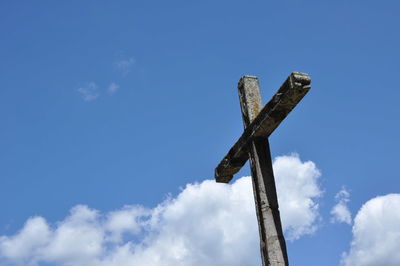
340 212
89 92
112 88
208 223
125 65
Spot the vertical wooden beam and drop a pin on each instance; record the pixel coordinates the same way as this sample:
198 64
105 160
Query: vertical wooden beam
272 242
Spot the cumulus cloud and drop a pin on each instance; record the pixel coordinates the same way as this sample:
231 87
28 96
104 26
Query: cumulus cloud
112 88
376 233
125 65
89 92
340 212
206 224
298 189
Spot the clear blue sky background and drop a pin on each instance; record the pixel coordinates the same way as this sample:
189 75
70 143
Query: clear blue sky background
176 112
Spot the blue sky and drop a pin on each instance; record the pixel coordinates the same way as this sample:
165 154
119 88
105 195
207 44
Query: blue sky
107 104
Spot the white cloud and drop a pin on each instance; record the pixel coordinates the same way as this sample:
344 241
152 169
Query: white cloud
89 92
376 233
340 212
112 88
206 224
298 190
23 247
125 65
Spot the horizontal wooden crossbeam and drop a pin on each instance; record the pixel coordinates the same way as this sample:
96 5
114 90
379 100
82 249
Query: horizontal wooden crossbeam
285 99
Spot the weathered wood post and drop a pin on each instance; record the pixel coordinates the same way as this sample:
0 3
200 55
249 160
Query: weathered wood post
272 242
259 122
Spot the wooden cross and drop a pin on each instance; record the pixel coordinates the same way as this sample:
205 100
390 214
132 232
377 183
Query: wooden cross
259 122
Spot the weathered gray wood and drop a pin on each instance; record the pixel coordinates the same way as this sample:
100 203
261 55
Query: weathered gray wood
270 116
272 242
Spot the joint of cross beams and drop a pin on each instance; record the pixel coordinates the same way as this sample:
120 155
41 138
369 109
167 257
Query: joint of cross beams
272 114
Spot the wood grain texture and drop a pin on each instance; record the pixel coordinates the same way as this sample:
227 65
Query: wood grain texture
264 123
272 242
